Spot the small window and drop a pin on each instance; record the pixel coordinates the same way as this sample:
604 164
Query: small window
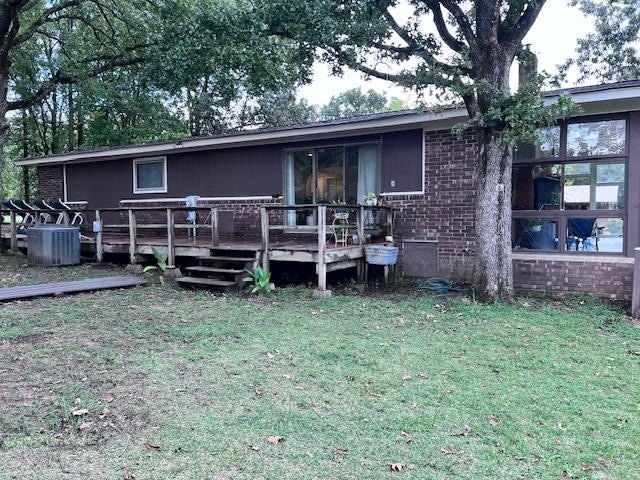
150 175
587 139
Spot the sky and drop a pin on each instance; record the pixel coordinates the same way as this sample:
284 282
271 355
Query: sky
553 38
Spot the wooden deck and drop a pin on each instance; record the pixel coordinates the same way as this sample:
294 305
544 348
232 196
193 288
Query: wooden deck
59 288
137 231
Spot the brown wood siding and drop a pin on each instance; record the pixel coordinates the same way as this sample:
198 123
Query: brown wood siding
237 172
402 161
633 185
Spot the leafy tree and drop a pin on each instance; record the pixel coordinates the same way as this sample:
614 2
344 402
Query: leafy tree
282 108
216 57
356 102
611 52
463 49
62 42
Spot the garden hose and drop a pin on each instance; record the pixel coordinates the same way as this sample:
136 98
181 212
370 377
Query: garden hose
438 285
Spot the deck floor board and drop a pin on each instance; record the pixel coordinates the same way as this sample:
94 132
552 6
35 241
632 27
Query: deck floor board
76 286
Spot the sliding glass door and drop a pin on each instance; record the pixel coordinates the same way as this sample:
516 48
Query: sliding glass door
329 175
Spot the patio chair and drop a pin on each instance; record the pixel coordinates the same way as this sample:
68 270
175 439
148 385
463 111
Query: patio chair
57 204
27 211
340 228
45 216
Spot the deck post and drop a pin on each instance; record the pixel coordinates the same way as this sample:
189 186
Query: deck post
215 228
132 237
390 222
99 244
635 295
14 232
171 237
65 216
37 218
361 225
321 291
264 225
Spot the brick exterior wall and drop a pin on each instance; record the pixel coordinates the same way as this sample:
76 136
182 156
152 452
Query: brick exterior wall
50 181
607 278
446 211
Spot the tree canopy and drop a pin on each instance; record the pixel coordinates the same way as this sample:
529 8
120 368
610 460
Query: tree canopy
356 102
612 51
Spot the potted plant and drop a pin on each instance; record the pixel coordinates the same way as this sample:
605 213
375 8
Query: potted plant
371 199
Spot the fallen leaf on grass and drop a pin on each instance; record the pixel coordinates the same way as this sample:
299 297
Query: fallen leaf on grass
447 450
275 439
587 468
152 446
407 377
127 475
253 447
635 353
79 412
108 398
85 426
463 432
565 475
492 420
396 467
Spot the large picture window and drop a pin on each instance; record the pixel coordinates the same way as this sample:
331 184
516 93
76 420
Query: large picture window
569 191
150 175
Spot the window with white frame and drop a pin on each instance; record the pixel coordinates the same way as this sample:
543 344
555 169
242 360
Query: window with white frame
150 175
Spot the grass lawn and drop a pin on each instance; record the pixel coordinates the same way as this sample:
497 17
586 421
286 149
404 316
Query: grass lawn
176 384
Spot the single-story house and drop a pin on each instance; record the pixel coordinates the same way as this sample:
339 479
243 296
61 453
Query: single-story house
576 195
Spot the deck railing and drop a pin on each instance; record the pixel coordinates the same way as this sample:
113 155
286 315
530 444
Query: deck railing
132 224
322 226
355 220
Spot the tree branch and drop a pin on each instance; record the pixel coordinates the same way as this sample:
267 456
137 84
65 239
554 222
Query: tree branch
44 18
452 42
462 20
516 34
60 78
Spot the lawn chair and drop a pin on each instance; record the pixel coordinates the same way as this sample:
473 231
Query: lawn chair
23 214
45 216
28 211
57 204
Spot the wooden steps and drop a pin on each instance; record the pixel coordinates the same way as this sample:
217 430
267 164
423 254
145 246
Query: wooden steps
223 269
198 281
200 268
226 258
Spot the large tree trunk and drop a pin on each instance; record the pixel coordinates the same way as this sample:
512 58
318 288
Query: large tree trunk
493 273
4 124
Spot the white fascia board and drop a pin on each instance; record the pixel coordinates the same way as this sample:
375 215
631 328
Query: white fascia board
602 96
246 139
